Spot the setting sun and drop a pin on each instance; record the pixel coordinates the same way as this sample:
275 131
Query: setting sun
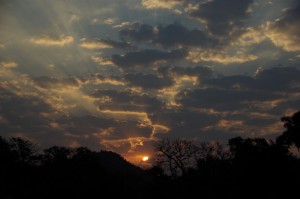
145 158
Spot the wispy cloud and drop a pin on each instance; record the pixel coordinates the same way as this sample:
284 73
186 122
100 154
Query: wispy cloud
164 4
219 57
8 64
47 40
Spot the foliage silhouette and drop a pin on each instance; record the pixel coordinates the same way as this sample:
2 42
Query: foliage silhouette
292 133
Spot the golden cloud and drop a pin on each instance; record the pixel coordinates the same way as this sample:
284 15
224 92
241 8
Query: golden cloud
250 37
101 60
94 44
110 21
105 80
287 38
164 4
8 64
229 123
143 116
123 25
226 125
199 55
46 40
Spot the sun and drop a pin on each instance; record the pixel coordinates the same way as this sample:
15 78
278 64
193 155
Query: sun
145 158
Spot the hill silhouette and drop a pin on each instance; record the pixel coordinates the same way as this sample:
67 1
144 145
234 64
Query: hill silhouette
115 163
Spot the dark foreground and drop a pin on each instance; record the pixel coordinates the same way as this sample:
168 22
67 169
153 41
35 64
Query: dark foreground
252 168
253 171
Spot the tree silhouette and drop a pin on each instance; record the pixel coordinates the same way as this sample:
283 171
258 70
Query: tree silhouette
5 153
56 155
292 133
176 155
210 150
23 151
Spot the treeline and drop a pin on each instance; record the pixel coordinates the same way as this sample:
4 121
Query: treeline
62 172
244 168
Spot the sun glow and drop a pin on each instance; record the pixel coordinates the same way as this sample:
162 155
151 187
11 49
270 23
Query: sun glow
145 158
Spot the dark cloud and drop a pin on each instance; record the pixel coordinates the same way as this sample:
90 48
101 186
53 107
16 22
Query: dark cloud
200 71
126 101
260 121
117 44
175 34
147 57
285 31
129 129
85 125
139 32
223 99
278 79
221 17
232 81
169 36
27 116
106 127
33 118
281 79
184 123
148 81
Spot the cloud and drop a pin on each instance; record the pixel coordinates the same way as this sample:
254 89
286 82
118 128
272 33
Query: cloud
278 78
139 32
222 17
28 116
267 90
147 57
102 60
199 71
169 36
34 118
109 134
175 34
231 82
249 36
285 31
223 99
148 81
163 4
46 82
94 44
102 44
74 18
221 56
151 73
284 79
110 21
123 25
126 101
96 79
46 40
185 123
8 64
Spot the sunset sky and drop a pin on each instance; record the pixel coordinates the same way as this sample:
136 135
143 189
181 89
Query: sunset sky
120 74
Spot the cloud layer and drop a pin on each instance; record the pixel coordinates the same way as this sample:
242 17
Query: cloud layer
119 75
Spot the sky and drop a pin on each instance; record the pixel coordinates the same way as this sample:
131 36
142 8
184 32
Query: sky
121 74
